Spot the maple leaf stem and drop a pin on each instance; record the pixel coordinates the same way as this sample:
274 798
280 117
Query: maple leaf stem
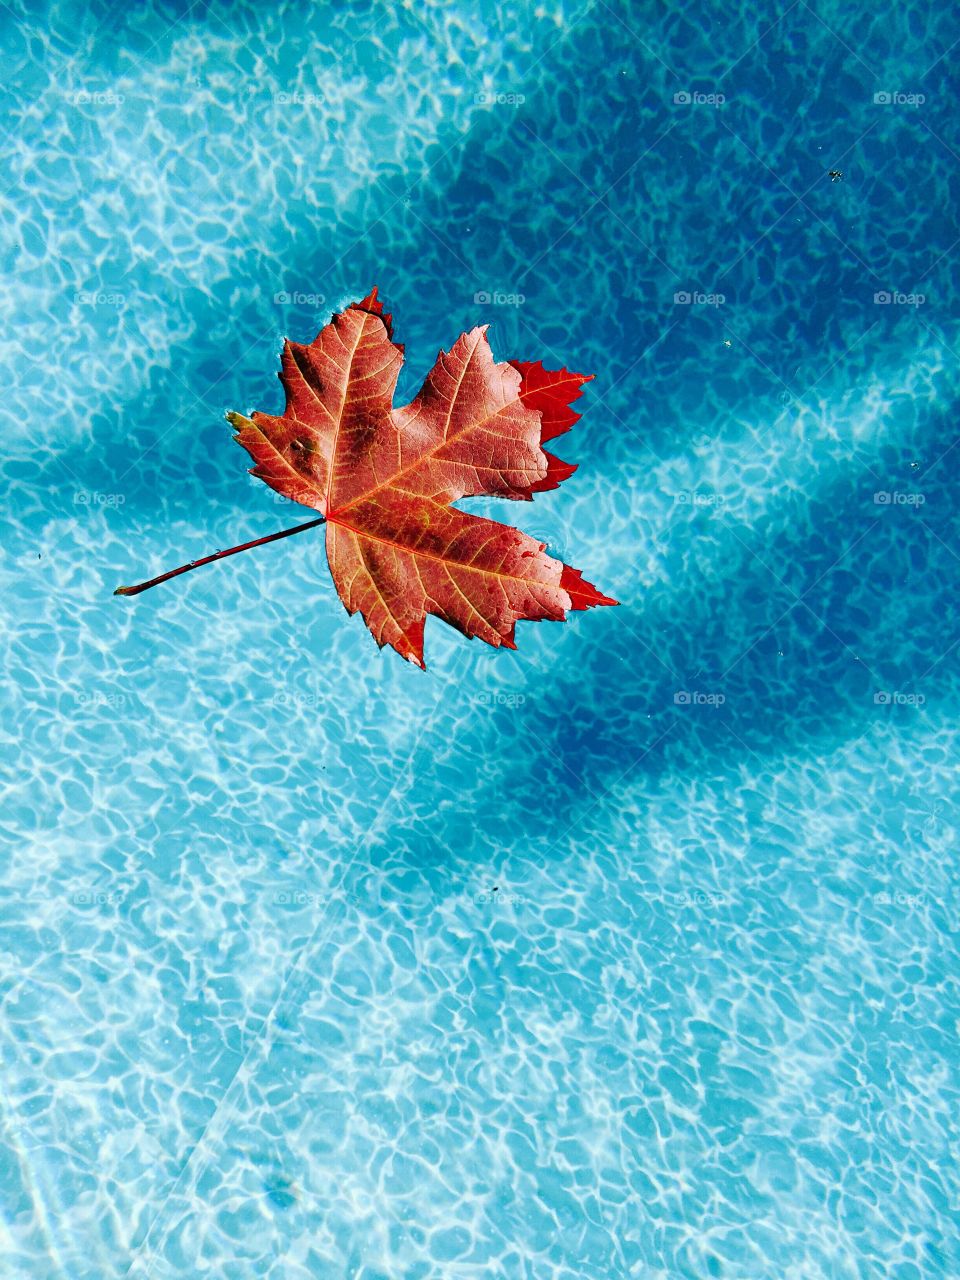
217 555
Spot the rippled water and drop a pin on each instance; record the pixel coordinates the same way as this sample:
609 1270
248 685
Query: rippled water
632 953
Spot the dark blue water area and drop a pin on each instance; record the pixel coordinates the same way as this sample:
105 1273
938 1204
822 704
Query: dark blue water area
631 952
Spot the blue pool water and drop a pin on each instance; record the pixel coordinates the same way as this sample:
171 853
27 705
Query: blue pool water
631 953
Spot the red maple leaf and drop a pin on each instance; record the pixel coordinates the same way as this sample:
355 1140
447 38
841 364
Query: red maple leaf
384 479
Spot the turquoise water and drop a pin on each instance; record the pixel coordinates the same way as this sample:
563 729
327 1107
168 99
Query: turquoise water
631 953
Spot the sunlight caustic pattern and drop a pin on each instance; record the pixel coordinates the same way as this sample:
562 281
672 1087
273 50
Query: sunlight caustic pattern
627 953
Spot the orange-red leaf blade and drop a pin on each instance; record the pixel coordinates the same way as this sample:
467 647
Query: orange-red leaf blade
339 393
385 478
399 560
551 392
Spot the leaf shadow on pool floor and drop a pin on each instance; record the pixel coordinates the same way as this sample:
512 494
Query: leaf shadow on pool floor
762 644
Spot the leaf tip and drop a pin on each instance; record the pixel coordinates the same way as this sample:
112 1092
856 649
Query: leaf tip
583 594
374 307
238 420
